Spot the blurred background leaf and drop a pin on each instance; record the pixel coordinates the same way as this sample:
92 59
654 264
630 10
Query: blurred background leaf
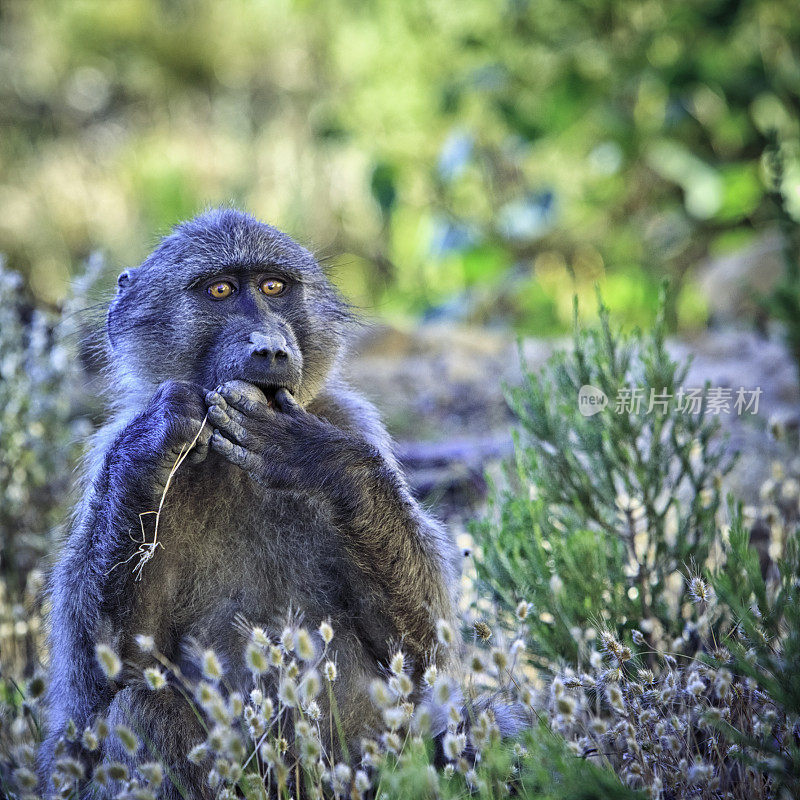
473 160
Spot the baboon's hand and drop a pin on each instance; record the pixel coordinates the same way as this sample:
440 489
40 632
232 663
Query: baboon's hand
284 445
173 420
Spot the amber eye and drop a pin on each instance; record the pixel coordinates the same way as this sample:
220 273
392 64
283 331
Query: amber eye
220 290
272 286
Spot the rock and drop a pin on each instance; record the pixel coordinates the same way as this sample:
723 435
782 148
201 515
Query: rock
732 284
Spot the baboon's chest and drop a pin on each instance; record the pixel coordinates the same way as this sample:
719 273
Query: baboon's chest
240 549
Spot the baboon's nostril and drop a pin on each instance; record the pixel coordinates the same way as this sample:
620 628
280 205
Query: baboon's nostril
281 354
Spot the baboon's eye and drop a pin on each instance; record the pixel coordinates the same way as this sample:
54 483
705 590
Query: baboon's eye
220 290
272 286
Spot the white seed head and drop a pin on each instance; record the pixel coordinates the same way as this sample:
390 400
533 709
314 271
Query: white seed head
145 643
109 661
330 671
454 745
444 633
154 678
397 663
255 658
326 632
429 676
127 738
212 669
303 645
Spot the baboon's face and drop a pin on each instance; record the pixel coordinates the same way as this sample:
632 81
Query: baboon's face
226 297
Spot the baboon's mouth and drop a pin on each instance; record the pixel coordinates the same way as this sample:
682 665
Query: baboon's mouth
269 390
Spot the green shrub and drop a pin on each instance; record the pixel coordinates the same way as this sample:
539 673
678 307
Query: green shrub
604 511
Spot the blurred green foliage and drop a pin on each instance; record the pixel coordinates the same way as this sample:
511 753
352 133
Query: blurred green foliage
474 159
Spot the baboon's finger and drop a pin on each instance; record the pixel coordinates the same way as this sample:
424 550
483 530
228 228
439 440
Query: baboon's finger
286 402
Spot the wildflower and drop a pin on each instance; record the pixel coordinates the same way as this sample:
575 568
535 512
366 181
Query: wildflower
293 670
500 659
326 632
722 683
613 647
26 779
699 772
117 771
211 667
101 728
236 704
310 685
615 698
379 691
699 590
154 678
522 610
392 742
146 644
397 663
275 656
259 637
256 659
695 685
556 584
303 645
127 738
36 687
476 664
393 717
429 676
482 630
287 692
313 711
638 637
330 671
444 633
454 745
361 781
90 740
565 705
401 684
597 726
152 772
442 690
109 661
287 640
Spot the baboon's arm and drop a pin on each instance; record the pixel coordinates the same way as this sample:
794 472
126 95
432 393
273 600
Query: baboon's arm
92 589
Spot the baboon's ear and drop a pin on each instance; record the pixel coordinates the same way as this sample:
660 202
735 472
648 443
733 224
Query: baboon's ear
124 279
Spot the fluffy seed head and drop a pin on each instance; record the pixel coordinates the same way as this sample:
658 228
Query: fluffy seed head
326 632
109 661
154 678
330 671
303 645
398 663
444 633
212 669
127 738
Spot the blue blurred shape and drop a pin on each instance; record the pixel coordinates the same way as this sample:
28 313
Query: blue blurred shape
454 155
449 236
528 218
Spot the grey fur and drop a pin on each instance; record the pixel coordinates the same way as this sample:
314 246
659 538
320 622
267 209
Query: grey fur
292 505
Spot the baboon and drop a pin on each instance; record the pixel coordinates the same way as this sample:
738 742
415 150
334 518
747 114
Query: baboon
230 336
